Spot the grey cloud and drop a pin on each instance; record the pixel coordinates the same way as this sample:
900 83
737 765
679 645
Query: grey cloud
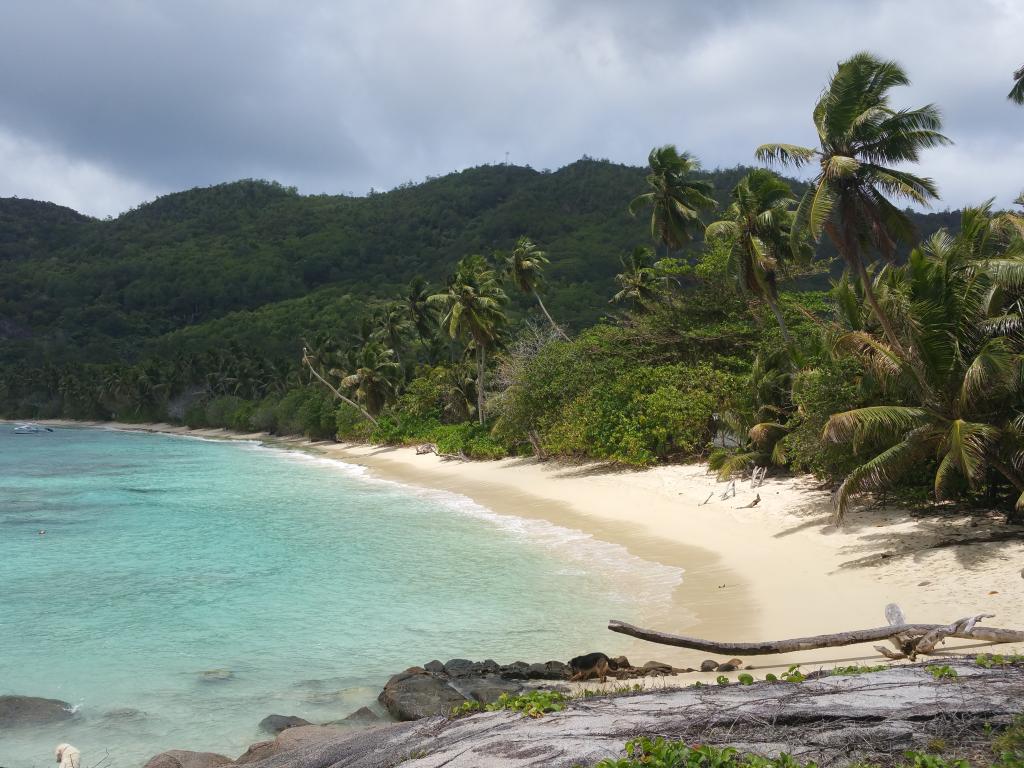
341 96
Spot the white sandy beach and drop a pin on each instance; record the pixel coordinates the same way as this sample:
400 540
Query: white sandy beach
768 572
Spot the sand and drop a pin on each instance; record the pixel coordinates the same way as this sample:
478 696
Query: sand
772 571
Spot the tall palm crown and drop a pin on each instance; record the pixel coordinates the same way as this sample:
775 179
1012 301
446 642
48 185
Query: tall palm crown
420 313
472 306
861 138
638 281
392 327
1016 94
758 226
959 307
524 266
675 198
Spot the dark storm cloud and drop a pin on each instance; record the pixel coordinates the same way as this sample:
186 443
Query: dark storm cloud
103 104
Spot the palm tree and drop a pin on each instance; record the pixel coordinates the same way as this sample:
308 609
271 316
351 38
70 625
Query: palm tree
373 380
757 430
638 282
422 316
675 198
960 311
392 327
322 359
472 306
524 266
861 138
757 226
1016 94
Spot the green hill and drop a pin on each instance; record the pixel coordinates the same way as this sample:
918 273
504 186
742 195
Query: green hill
257 263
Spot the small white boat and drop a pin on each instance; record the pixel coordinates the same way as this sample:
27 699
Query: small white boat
30 429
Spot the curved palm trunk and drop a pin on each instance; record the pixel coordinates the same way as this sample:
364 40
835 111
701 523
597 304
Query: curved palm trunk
850 255
777 311
551 320
338 394
481 365
1016 515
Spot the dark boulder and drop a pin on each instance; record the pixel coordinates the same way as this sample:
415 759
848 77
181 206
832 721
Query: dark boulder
658 666
277 723
488 690
517 670
362 715
434 667
31 710
708 666
182 758
412 695
466 668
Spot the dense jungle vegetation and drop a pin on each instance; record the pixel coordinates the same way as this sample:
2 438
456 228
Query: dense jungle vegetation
598 311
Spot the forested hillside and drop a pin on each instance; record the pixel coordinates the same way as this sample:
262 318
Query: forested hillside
74 289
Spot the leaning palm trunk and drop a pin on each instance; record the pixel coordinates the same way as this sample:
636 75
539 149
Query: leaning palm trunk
338 394
481 366
777 311
551 320
851 255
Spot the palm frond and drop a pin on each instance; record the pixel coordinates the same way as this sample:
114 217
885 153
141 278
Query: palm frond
785 154
878 473
876 422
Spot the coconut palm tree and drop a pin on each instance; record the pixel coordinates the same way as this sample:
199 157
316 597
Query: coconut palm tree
472 307
373 382
638 281
524 266
675 197
1016 94
321 358
392 327
757 226
422 316
861 140
959 298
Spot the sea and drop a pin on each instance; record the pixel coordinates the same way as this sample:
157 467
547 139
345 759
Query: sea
176 590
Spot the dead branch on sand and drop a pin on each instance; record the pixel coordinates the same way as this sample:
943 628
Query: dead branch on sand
909 639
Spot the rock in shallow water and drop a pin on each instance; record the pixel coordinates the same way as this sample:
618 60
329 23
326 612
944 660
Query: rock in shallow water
216 675
412 695
362 715
32 710
277 723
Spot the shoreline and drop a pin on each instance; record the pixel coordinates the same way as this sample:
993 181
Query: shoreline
766 572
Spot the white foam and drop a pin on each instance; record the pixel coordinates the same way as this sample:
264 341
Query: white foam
649 582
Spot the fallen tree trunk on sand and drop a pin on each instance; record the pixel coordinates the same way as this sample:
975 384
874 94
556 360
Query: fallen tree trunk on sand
909 639
833 721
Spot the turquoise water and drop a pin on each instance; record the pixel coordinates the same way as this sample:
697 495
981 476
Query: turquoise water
300 582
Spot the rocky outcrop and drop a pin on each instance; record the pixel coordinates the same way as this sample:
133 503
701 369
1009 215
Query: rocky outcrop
277 723
181 758
436 687
31 710
416 693
831 720
295 738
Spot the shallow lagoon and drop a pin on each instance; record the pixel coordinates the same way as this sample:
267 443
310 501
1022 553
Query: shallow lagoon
186 588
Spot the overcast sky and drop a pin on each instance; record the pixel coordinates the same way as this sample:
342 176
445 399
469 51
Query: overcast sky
108 103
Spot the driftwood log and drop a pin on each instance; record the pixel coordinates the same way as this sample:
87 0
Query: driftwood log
834 721
909 639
